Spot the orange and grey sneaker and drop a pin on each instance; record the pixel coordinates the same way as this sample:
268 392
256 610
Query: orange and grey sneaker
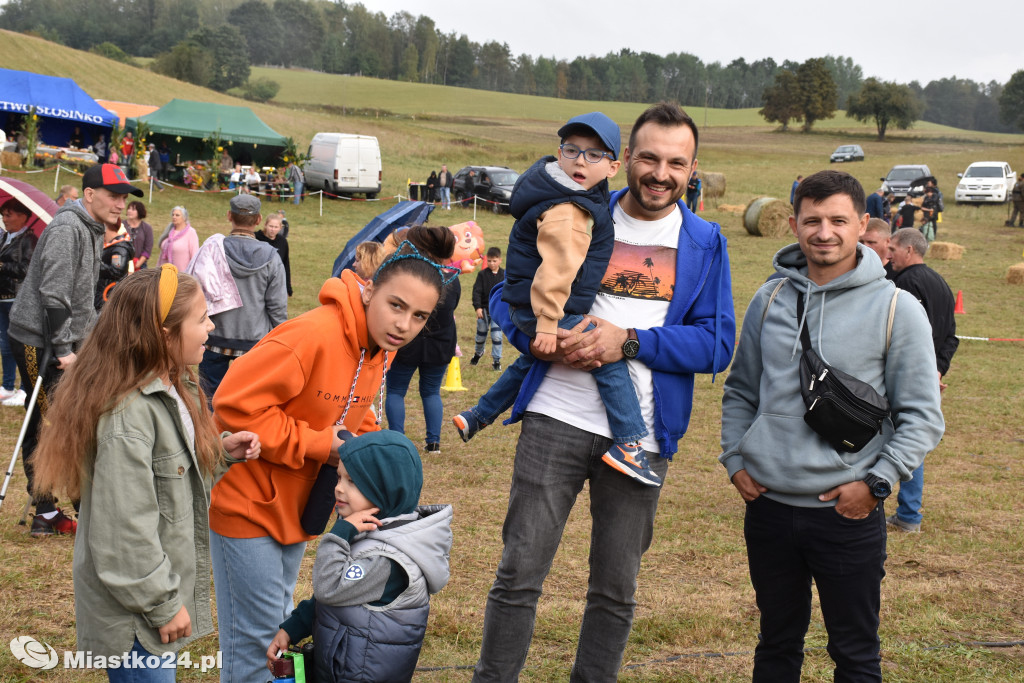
630 459
58 524
467 424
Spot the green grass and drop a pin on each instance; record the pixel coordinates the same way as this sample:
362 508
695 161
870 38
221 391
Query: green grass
956 583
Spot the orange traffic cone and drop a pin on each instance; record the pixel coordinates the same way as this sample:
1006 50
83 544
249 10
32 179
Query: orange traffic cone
959 308
453 378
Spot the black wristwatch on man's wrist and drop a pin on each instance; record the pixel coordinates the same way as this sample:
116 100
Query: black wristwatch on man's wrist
631 347
879 487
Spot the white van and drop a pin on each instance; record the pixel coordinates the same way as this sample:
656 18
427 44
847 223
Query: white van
342 163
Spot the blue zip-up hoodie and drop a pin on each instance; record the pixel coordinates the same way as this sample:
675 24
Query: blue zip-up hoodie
698 336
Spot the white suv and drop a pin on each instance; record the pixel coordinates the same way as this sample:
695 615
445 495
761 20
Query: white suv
985 181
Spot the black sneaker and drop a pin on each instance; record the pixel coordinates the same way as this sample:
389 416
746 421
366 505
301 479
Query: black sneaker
433 449
475 359
58 524
496 365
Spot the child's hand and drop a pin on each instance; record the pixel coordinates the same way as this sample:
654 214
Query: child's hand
365 520
178 627
242 445
279 644
546 342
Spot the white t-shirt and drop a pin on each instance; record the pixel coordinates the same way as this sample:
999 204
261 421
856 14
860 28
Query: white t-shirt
635 292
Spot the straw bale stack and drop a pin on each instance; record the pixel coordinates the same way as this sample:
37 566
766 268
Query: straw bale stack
10 159
1015 276
767 217
946 251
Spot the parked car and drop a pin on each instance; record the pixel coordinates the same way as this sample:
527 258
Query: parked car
901 176
847 153
344 164
491 183
985 181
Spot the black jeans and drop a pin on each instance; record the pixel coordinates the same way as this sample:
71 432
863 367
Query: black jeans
787 548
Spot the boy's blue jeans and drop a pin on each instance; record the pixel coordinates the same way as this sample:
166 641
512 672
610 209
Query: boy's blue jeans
613 383
909 497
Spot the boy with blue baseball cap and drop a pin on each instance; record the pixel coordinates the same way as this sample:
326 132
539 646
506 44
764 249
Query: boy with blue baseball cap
558 252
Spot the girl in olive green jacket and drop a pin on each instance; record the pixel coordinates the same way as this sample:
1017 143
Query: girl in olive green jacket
142 460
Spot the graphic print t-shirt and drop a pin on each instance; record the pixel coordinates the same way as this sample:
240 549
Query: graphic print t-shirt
635 292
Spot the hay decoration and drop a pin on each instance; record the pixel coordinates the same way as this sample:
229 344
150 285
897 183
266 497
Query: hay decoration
10 159
738 209
1015 276
946 251
713 184
767 217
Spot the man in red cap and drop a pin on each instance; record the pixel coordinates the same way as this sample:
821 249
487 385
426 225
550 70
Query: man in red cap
55 308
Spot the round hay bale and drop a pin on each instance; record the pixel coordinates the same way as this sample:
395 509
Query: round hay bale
767 217
713 184
946 251
1015 276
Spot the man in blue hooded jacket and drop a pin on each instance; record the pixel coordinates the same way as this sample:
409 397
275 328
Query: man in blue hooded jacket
665 305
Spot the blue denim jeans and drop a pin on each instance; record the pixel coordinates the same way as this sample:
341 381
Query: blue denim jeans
613 384
485 327
910 497
10 367
212 369
446 197
788 548
297 191
254 579
163 672
431 376
553 462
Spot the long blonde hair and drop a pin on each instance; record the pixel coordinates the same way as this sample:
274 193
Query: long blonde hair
125 351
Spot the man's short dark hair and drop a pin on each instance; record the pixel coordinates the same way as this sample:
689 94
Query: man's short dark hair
824 184
666 114
494 252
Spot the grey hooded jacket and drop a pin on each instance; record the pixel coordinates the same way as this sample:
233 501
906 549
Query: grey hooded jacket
62 274
259 276
356 641
763 430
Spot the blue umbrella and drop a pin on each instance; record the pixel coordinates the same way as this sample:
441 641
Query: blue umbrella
400 215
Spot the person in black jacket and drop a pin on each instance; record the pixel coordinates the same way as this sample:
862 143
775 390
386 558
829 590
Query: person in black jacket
273 233
116 261
17 242
485 281
907 248
430 353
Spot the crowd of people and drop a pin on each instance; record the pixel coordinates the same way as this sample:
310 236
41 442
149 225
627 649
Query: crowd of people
232 433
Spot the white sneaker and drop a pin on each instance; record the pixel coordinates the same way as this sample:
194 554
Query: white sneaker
16 399
7 393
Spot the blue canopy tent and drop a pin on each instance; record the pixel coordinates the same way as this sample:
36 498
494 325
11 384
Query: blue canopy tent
60 104
400 215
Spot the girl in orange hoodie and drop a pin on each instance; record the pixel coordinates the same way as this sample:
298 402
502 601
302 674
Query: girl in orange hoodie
307 381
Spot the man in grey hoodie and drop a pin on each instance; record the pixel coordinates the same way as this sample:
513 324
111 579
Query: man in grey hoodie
259 276
812 513
59 287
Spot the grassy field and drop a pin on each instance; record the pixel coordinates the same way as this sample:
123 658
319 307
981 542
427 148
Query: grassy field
955 585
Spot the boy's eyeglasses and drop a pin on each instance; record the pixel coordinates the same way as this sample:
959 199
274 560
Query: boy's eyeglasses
592 155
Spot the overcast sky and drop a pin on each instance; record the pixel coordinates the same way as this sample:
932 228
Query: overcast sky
892 41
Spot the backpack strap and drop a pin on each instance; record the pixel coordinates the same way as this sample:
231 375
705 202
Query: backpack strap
892 315
775 293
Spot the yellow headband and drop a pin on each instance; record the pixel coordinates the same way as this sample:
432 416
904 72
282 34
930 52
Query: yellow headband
168 288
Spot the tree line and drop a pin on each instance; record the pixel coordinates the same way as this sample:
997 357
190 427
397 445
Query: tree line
214 43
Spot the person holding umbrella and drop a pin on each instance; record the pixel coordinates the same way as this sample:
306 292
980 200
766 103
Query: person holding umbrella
54 309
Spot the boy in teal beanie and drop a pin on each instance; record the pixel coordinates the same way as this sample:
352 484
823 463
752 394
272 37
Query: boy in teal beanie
376 569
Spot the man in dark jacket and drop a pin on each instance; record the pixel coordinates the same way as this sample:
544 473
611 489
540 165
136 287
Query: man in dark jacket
485 281
907 248
55 304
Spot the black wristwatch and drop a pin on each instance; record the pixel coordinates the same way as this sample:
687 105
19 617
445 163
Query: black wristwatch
879 487
631 347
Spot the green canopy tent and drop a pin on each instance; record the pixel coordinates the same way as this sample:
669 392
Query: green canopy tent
191 129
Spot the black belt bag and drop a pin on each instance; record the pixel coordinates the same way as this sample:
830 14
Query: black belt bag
843 410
